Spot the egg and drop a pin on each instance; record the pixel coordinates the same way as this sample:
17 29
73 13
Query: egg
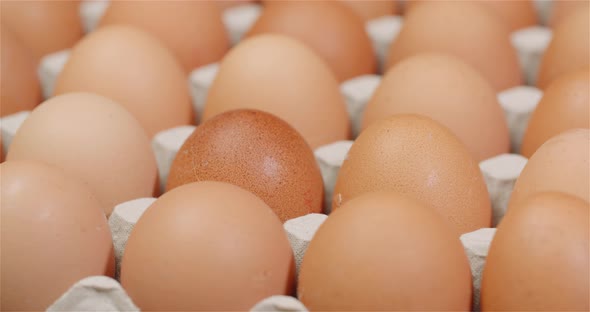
54 233
134 69
560 10
515 14
280 75
565 105
416 156
207 246
539 258
226 4
19 86
370 9
43 26
258 152
562 164
445 89
465 29
94 139
568 50
385 252
332 30
193 30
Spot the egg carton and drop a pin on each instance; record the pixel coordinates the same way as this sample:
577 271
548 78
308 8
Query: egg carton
500 172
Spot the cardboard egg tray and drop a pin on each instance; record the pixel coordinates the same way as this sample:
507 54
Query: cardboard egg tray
500 172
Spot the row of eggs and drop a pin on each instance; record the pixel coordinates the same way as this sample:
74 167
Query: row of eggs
265 163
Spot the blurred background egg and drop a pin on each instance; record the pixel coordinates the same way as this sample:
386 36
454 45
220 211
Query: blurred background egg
445 89
226 4
560 10
258 152
383 252
467 30
279 75
134 69
372 9
330 28
193 30
19 86
569 49
416 156
54 233
94 139
539 258
561 164
565 105
515 14
44 26
207 246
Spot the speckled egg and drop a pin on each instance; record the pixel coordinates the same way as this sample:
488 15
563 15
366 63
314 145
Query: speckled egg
258 152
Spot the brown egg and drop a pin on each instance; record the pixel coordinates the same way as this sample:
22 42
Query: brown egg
207 246
560 10
258 152
565 105
383 252
134 69
92 138
19 86
539 258
281 76
516 14
568 50
193 30
44 26
560 165
54 233
416 156
333 31
371 9
226 4
464 29
445 89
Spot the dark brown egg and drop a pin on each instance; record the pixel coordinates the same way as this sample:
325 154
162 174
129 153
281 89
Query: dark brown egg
258 152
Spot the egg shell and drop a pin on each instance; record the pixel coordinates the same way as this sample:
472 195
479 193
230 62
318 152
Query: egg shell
369 10
562 164
569 49
281 76
560 10
207 246
54 233
43 26
516 14
418 157
93 138
140 73
565 105
539 258
258 152
385 252
193 30
440 26
455 90
19 87
332 30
